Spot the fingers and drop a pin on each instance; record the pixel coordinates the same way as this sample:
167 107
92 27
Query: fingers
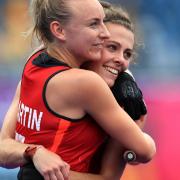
52 167
46 176
54 175
61 173
58 175
65 171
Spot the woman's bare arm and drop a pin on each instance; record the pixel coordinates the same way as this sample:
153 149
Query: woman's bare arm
112 118
11 151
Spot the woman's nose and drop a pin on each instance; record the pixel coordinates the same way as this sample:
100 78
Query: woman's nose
105 34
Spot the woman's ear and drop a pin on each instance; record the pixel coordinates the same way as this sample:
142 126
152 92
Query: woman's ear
57 30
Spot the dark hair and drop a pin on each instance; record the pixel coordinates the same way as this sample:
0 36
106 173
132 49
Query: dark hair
118 15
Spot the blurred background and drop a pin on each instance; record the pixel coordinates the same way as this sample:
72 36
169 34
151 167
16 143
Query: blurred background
157 71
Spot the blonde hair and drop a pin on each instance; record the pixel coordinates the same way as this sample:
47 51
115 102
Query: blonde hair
46 11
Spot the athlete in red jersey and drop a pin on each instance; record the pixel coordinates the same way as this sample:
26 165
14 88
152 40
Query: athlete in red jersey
82 85
74 140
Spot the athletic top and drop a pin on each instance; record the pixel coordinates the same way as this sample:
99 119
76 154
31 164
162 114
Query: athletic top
74 140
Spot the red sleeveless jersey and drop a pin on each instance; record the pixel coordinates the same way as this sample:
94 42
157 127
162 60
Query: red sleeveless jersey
75 141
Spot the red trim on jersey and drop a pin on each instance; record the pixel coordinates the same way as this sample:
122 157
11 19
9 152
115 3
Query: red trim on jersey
74 141
63 126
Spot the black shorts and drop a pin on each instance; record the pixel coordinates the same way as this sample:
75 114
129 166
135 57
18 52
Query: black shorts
29 172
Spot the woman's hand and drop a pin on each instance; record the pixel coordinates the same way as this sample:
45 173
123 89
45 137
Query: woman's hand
50 165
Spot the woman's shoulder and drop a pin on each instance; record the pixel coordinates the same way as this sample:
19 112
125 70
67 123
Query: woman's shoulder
75 75
77 79
81 75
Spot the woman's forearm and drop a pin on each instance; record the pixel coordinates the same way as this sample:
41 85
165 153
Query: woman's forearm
11 153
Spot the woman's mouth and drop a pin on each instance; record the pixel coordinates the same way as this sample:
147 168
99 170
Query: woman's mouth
112 70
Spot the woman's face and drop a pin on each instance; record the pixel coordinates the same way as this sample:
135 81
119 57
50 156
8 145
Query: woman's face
116 54
86 32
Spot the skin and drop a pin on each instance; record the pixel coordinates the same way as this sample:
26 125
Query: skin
116 57
81 105
87 31
116 54
112 50
93 33
87 26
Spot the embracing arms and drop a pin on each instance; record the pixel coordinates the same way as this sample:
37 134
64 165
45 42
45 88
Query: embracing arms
112 118
7 134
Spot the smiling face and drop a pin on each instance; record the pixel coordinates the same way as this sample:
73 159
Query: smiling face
116 54
86 31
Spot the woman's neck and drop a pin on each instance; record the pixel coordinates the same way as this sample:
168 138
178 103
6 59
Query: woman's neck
63 55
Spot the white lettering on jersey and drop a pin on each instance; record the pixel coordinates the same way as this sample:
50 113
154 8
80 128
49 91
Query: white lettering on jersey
29 117
19 137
